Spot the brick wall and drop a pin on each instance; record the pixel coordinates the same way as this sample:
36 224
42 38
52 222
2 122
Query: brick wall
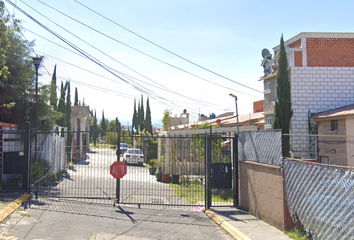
298 59
258 106
317 89
262 192
336 52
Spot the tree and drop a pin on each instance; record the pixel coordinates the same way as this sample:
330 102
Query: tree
61 105
4 44
103 124
68 115
94 130
18 86
135 119
139 117
282 110
166 120
17 80
142 118
53 89
148 125
76 103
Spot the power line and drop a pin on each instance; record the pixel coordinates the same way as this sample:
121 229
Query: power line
159 86
140 88
91 58
195 64
136 84
135 49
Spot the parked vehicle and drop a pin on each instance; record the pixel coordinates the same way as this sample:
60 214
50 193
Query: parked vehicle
123 148
133 155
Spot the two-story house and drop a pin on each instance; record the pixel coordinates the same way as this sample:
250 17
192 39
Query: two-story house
321 72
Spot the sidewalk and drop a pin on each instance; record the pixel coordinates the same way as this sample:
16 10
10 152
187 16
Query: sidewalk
237 223
243 226
10 201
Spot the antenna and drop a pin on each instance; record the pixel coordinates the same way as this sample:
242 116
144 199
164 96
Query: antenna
265 52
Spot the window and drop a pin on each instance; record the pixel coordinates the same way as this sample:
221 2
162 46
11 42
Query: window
269 121
269 86
334 125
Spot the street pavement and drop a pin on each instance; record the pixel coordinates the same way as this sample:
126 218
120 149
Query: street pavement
74 220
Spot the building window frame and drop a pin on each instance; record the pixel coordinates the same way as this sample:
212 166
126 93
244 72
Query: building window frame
268 86
269 121
334 125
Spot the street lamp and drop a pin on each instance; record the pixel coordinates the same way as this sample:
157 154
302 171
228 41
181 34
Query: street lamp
238 127
36 61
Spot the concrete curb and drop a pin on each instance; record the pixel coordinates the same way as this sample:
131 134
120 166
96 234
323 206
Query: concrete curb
233 231
6 212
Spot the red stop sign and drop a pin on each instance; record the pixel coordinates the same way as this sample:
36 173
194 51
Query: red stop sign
118 169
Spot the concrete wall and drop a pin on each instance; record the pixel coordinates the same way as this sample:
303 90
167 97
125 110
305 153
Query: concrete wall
262 192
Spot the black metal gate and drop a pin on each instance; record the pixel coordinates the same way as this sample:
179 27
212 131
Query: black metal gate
13 158
180 170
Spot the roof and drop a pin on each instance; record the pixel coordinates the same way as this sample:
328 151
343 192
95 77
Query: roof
245 118
316 35
335 113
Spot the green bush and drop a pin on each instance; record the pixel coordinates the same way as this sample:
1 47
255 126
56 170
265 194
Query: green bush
39 169
184 180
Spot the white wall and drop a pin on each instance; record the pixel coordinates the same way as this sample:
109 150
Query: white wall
317 89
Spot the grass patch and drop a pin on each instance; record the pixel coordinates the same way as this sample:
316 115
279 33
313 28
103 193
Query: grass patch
102 146
25 215
193 192
297 234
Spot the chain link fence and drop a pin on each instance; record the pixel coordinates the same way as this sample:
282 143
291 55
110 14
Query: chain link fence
261 146
326 149
321 198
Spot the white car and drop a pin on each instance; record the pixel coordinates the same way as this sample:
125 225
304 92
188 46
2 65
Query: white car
133 155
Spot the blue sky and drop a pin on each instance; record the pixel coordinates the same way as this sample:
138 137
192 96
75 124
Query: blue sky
225 37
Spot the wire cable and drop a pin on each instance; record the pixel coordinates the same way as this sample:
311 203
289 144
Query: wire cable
135 49
195 64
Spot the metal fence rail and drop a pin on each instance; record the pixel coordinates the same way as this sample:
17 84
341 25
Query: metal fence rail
321 197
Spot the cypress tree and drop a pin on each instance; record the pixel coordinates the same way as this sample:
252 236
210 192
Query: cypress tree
76 102
103 124
148 125
95 133
53 89
282 110
138 118
142 117
68 114
61 105
134 120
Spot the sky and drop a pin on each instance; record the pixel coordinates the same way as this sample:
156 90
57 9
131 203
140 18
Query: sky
181 54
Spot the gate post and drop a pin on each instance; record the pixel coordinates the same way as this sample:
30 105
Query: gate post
235 172
27 149
208 170
118 159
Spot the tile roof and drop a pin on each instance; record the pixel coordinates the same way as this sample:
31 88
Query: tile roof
338 112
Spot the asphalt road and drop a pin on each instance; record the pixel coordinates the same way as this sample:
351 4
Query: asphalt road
72 220
80 207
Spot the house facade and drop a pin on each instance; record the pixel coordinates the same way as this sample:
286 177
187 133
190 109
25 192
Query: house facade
336 136
321 72
80 125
